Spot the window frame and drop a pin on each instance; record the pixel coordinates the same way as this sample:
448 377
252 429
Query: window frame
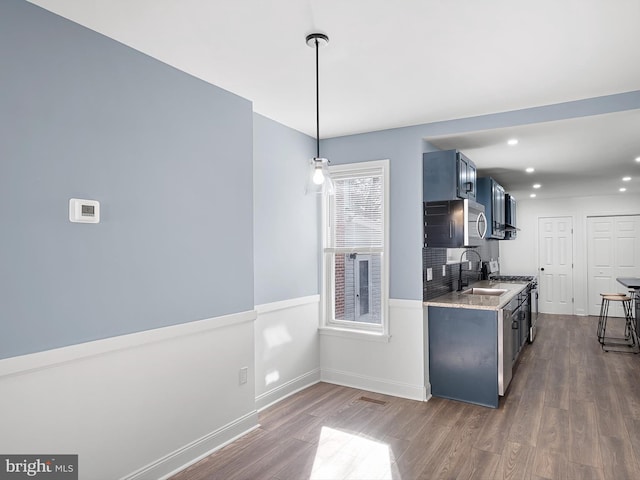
350 328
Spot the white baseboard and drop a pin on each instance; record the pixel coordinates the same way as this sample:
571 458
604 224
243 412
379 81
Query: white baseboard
379 385
427 393
287 389
180 459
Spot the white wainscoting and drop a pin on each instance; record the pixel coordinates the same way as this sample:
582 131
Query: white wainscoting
396 367
287 352
138 406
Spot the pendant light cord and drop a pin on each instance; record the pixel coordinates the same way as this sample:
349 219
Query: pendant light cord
317 104
315 40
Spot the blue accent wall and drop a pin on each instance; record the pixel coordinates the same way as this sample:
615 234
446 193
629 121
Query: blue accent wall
286 221
168 156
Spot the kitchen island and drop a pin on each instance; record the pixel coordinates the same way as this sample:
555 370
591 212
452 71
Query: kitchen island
474 340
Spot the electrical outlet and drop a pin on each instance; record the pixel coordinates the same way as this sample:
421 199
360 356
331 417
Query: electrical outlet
244 371
444 270
429 274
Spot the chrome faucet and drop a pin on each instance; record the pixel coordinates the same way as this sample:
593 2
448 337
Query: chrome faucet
461 283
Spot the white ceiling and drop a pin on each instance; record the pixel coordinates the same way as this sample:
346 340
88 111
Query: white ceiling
397 63
579 157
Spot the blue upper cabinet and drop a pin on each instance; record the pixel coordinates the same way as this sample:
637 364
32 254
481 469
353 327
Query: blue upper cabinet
447 175
467 178
491 195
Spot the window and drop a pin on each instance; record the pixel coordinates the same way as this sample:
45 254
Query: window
355 273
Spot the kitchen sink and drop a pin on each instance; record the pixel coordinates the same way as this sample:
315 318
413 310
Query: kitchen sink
496 292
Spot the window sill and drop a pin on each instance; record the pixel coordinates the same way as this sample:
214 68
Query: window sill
355 334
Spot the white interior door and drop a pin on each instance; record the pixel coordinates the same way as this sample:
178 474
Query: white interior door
613 250
555 257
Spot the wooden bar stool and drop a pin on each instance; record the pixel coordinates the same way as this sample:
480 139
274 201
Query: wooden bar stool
604 310
626 344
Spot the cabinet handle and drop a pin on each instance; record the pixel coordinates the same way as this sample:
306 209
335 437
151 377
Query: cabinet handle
469 187
515 325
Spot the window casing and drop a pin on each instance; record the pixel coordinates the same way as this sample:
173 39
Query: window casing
355 243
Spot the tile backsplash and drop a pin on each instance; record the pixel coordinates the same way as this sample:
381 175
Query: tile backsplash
435 258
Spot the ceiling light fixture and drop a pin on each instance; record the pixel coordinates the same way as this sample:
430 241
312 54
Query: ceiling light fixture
638 159
626 179
536 185
319 180
623 189
513 141
533 195
530 170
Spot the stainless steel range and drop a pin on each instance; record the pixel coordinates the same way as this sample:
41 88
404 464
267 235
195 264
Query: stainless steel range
533 297
514 278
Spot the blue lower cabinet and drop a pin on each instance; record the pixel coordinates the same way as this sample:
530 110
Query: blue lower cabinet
463 355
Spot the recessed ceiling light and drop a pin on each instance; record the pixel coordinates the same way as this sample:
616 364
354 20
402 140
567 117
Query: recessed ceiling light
533 195
536 185
623 189
513 141
626 179
530 170
638 159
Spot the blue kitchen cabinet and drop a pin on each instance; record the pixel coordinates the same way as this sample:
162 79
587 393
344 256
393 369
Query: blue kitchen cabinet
491 194
463 354
448 175
511 229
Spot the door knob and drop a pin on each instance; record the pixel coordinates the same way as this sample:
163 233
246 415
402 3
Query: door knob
542 269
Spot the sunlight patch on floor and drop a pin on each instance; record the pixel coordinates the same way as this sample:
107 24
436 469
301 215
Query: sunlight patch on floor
343 455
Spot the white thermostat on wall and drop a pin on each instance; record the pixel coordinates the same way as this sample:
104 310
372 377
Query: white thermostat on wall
84 211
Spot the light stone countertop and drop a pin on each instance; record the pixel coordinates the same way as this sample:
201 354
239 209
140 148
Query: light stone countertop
479 302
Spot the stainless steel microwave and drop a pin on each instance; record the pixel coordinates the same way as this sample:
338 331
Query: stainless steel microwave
454 224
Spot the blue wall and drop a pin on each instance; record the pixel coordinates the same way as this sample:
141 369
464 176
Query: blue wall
168 156
286 221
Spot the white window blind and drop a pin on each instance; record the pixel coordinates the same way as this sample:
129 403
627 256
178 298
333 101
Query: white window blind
357 216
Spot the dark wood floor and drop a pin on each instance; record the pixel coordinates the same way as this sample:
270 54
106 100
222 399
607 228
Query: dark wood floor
571 412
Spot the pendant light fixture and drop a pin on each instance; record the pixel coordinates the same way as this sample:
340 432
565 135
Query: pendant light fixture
319 180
